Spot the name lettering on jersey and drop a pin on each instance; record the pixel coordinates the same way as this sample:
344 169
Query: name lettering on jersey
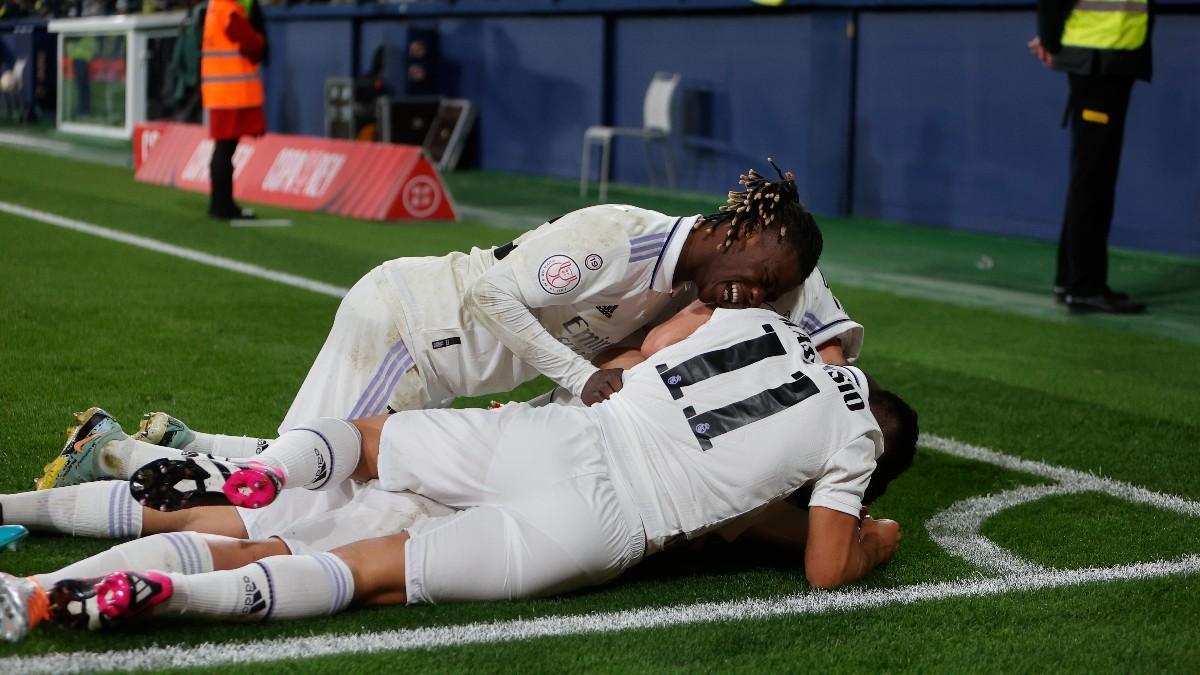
607 310
558 274
807 351
580 337
845 384
593 262
446 342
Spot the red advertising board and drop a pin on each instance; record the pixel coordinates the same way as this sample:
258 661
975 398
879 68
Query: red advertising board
373 181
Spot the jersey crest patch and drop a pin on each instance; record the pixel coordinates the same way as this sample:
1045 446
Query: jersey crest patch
607 310
558 274
593 262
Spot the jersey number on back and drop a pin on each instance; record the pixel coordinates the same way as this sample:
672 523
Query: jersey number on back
708 425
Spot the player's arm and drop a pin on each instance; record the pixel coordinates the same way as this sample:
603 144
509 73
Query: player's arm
813 305
781 524
841 549
503 298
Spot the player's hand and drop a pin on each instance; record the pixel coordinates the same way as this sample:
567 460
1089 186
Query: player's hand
880 538
602 384
1039 52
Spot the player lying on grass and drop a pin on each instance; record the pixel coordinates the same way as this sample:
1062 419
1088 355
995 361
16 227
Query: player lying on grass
408 329
707 431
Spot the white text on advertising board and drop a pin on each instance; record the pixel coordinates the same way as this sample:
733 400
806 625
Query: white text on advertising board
303 172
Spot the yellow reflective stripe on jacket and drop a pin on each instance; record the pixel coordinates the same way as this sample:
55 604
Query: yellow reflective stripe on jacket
1107 24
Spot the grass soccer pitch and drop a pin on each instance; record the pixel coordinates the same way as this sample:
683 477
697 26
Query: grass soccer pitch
1051 520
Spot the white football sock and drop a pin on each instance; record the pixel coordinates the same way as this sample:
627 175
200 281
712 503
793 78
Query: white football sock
99 509
182 552
120 459
278 587
233 447
318 455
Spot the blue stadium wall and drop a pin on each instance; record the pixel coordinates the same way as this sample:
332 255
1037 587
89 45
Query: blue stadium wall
934 115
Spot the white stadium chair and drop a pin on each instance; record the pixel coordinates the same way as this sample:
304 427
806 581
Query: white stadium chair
657 113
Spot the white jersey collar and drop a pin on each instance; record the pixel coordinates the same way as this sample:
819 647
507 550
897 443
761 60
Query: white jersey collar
663 280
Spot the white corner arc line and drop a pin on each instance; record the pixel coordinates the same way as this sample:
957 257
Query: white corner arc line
175 251
813 602
1082 481
956 529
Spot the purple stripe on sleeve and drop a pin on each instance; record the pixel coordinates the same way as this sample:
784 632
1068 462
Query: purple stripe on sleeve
647 237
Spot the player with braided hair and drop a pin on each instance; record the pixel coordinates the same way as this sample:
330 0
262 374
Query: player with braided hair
417 332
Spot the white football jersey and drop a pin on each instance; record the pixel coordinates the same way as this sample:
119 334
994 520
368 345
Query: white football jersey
736 416
563 293
814 308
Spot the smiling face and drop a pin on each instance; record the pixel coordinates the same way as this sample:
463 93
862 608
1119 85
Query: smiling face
754 270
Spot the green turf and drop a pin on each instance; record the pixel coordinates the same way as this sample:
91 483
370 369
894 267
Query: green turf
91 321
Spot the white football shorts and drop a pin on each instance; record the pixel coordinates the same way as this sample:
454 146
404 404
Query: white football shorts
365 365
543 511
311 521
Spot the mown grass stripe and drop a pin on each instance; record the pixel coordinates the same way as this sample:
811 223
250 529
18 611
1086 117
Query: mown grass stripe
172 250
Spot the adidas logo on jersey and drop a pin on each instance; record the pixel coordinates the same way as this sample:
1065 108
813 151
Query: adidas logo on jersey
607 310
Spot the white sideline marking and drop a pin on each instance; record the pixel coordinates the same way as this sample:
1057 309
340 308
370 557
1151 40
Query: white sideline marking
19 141
813 602
172 250
260 222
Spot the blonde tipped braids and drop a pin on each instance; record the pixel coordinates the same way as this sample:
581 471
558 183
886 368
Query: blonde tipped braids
763 203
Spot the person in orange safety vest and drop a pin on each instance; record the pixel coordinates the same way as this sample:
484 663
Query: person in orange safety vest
233 48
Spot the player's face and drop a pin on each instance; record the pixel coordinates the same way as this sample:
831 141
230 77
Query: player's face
753 271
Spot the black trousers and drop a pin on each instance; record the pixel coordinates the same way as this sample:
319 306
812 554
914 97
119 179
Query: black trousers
1097 112
220 172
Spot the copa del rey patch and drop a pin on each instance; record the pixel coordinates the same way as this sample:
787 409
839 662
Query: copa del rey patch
558 274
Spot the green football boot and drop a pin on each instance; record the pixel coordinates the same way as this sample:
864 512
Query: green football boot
159 428
79 461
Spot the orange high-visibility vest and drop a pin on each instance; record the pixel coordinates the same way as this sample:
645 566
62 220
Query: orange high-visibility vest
227 79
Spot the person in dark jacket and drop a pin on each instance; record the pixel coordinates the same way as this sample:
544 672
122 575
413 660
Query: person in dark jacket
1103 46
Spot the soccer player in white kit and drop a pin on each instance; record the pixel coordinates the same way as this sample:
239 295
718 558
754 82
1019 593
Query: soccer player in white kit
705 432
417 332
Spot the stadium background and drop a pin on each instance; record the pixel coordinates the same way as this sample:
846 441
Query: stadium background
928 116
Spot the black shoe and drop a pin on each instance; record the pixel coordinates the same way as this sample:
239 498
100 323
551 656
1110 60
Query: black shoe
233 214
1060 295
1111 303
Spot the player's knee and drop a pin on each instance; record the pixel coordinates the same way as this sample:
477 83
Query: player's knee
229 553
369 429
378 569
